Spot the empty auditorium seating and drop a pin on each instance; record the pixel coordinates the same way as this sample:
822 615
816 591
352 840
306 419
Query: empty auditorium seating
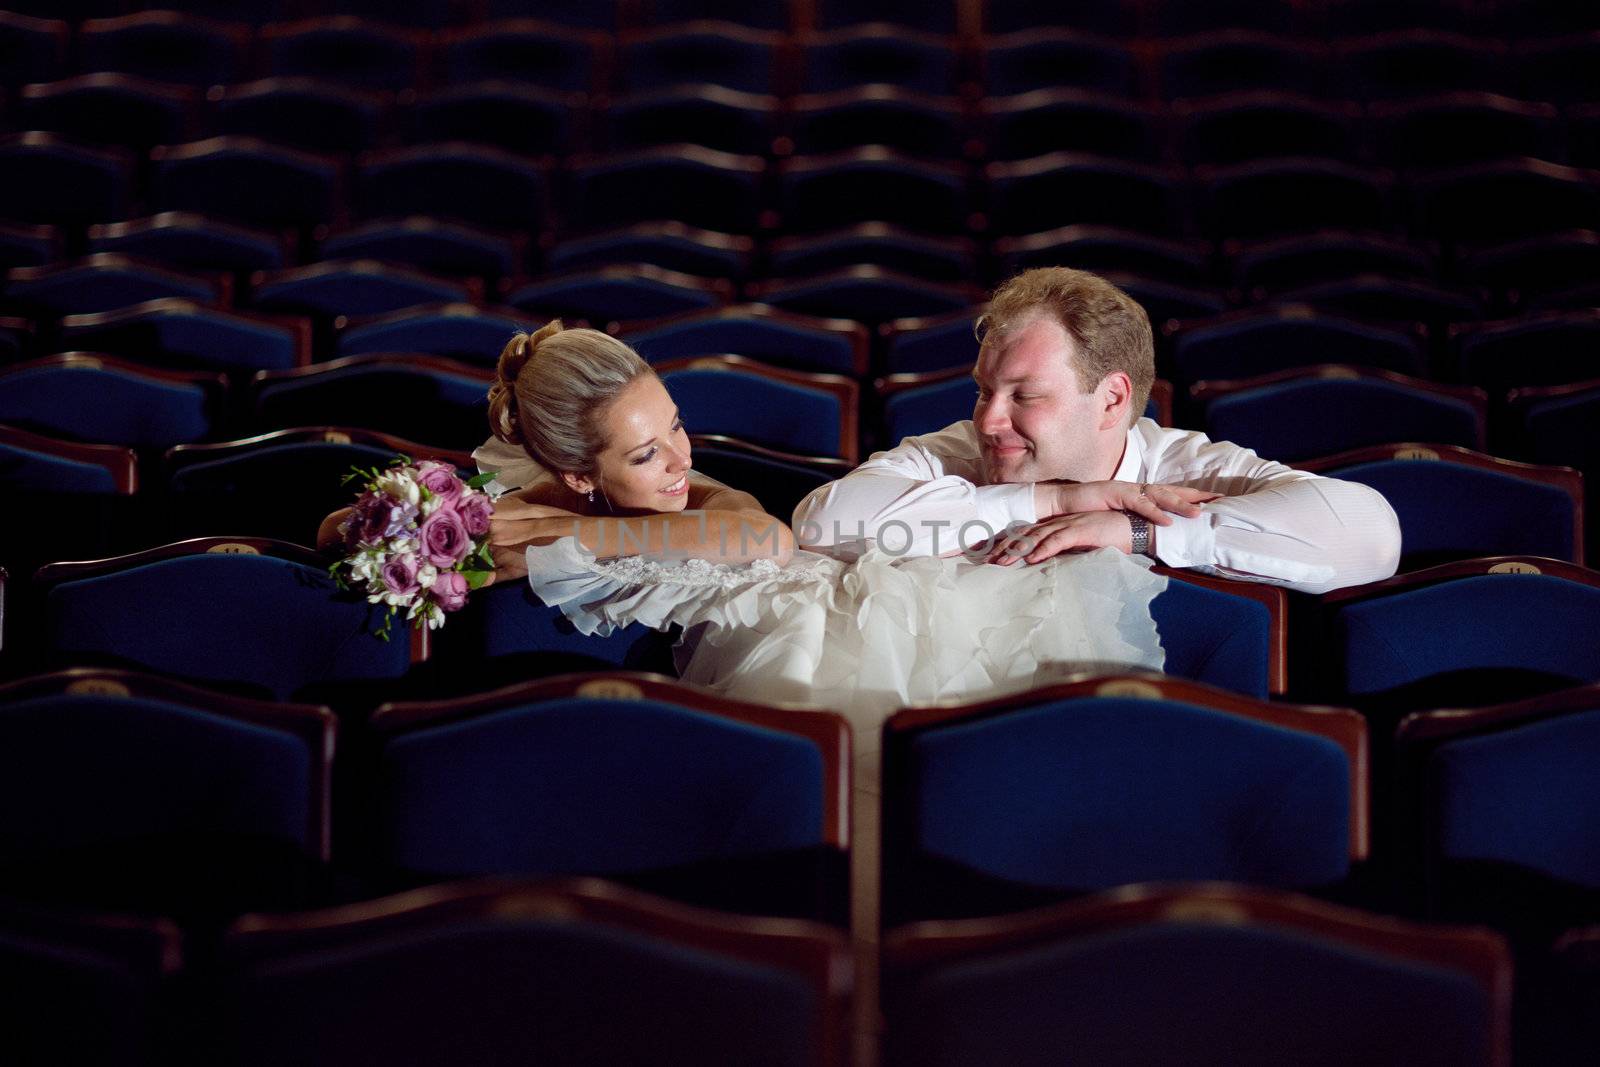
640 778
1071 819
1151 975
511 973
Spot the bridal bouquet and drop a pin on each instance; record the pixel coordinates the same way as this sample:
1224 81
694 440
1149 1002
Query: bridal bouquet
416 540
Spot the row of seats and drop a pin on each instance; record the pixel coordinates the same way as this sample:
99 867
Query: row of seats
782 432
305 316
1431 131
243 179
381 55
649 270
510 972
1249 642
1110 780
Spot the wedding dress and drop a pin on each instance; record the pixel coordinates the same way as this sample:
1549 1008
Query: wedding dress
866 638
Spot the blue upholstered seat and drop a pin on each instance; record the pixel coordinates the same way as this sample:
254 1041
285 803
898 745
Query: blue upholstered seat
516 977
86 988
309 113
1270 415
102 282
191 242
57 181
1102 789
272 624
772 410
458 331
1171 978
127 793
1452 510
245 179
1501 635
656 783
1257 342
421 398
454 180
97 398
1216 637
355 288
758 332
617 294
178 333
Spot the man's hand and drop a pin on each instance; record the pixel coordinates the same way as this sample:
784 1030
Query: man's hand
1154 500
1082 532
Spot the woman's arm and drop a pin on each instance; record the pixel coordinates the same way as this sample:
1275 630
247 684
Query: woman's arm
722 525
328 537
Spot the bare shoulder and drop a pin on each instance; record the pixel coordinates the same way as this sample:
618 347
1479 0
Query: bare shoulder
706 493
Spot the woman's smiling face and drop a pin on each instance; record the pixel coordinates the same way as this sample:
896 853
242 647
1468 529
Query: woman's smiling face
645 462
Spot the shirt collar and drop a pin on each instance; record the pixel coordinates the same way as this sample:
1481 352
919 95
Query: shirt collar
1132 465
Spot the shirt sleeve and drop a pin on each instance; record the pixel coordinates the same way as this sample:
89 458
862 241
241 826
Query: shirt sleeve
921 498
1274 524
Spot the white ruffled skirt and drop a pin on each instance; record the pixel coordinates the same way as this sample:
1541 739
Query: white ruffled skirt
865 639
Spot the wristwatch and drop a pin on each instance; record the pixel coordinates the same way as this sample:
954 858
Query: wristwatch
1140 543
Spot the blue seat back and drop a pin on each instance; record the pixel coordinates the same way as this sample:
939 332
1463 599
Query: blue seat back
1214 637
1271 419
782 415
1449 509
1529 622
473 338
1106 791
270 623
595 786
1154 995
106 404
782 343
1523 795
85 771
524 989
188 336
927 408
1250 346
24 470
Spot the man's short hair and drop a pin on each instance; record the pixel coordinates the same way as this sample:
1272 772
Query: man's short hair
1109 330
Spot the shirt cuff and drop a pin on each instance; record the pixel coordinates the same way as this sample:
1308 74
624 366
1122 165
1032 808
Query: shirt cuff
1188 542
1000 506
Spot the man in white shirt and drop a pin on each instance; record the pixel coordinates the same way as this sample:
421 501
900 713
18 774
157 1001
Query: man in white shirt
1057 458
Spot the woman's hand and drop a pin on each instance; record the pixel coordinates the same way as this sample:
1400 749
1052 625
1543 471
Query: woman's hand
1153 500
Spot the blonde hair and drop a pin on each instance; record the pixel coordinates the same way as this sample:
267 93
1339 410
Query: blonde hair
552 389
1109 330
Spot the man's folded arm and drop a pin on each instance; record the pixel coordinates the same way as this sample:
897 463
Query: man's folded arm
1308 533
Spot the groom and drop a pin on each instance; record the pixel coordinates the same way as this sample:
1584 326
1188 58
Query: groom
1057 458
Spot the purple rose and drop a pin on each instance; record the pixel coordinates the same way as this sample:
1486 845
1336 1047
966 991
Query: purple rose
449 590
444 538
475 511
440 480
400 575
377 517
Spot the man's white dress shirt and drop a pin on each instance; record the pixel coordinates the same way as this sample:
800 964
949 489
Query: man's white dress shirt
1274 524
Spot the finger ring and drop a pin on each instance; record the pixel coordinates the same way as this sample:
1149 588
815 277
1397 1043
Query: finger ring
1144 490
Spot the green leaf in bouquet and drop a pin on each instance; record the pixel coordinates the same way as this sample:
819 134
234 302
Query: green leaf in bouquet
478 481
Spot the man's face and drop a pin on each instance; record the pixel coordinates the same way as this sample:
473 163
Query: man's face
1034 423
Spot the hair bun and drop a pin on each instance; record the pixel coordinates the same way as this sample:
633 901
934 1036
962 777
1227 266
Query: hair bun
504 422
